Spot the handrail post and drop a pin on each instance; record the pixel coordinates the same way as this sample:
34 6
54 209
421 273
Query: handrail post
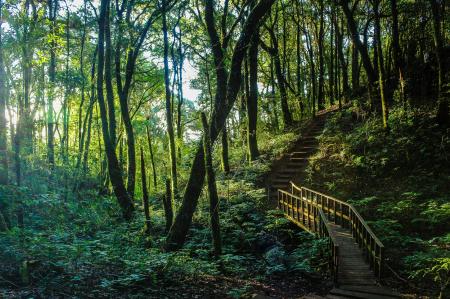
380 264
278 200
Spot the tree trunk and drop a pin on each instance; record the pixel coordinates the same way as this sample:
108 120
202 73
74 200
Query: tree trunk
355 69
108 81
272 95
443 112
180 98
362 48
223 104
115 172
332 56
3 99
169 113
396 52
252 100
225 160
52 9
212 189
342 61
320 95
145 195
152 160
92 101
168 209
381 74
274 52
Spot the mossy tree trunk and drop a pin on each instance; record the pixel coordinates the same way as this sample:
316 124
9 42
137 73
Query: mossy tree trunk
212 188
380 62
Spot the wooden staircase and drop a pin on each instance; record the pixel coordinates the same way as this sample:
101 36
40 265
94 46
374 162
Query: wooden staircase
356 254
290 168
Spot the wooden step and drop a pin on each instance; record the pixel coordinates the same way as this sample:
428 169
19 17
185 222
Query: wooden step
298 159
358 294
335 297
308 148
281 181
370 290
286 176
287 171
297 154
279 186
297 163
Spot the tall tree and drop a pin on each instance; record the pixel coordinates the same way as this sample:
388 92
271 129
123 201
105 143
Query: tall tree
281 80
114 169
52 11
380 62
354 33
145 194
132 46
212 188
227 89
3 95
320 46
443 111
169 110
252 102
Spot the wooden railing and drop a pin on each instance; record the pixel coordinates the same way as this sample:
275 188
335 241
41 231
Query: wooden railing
309 216
309 209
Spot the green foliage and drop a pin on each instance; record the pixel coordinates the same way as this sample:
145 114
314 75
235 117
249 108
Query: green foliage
397 180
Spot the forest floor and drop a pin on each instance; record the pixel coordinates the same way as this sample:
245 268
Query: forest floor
80 248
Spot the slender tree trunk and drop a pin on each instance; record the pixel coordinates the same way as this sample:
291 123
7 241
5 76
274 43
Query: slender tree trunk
169 113
67 91
145 195
396 51
115 172
312 72
212 189
321 95
381 74
342 61
152 160
180 97
108 81
52 9
355 69
443 111
81 124
252 100
168 203
92 101
332 56
273 96
274 52
225 160
3 99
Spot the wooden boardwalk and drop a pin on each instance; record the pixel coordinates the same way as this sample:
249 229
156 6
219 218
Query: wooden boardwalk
356 254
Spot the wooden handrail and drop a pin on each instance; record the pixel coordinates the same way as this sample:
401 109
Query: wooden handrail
312 210
347 204
333 244
309 216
